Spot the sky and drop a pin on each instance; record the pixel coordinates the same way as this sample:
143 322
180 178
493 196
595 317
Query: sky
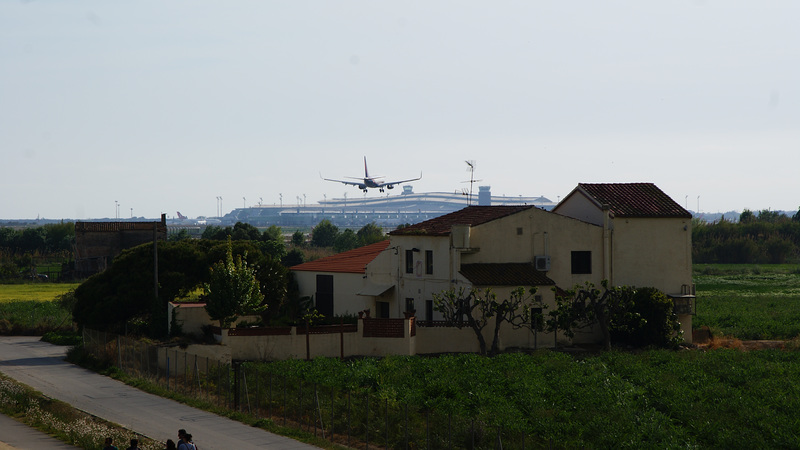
118 108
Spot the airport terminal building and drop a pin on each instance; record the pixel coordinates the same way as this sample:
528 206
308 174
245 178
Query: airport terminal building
385 211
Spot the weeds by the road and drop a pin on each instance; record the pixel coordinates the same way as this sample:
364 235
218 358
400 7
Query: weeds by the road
61 420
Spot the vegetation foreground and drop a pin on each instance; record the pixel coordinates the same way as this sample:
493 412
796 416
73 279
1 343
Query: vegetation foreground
658 398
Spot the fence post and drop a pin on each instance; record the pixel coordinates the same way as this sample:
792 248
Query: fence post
427 429
300 405
405 419
332 412
269 404
348 418
166 354
284 400
258 391
450 430
387 423
316 401
472 432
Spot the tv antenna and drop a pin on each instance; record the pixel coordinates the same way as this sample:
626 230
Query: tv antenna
472 180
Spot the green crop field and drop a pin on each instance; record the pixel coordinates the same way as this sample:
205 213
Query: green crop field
749 301
31 308
40 292
653 399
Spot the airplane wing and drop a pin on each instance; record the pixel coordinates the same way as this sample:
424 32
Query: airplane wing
389 184
352 183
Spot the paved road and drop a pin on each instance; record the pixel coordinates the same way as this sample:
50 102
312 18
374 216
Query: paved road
41 366
16 435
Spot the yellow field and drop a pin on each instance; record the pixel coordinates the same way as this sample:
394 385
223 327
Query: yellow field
43 292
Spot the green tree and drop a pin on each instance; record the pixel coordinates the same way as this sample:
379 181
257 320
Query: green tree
346 240
584 306
370 234
215 233
124 292
274 234
324 234
651 321
59 236
765 215
477 308
298 239
637 317
32 239
233 290
245 232
746 216
179 236
293 257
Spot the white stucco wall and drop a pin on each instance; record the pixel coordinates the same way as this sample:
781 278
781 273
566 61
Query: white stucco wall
345 288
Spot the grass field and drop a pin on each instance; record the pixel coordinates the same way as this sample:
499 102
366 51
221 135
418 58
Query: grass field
40 292
748 301
31 309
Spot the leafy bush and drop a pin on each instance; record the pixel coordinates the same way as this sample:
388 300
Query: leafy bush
649 321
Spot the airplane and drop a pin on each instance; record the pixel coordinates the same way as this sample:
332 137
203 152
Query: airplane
181 216
369 182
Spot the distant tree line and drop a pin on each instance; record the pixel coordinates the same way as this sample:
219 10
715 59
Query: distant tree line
765 237
326 234
21 250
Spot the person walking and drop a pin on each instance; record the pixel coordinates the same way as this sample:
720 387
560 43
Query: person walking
187 443
109 445
181 437
170 445
134 445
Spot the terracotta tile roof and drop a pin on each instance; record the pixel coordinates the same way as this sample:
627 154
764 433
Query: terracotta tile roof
635 200
352 261
471 215
504 274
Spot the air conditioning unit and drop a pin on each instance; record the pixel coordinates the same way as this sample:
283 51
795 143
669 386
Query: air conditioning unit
541 263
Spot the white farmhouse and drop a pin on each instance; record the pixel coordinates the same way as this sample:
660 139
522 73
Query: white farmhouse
630 234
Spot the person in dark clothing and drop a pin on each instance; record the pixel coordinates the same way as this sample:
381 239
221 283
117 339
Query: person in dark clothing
109 445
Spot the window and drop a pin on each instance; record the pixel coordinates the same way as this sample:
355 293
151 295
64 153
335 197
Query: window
537 319
429 262
581 262
409 261
410 305
383 309
324 295
428 309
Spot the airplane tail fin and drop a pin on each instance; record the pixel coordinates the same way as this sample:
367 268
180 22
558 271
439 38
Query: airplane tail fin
366 172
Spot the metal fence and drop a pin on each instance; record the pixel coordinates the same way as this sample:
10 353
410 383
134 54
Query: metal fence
355 419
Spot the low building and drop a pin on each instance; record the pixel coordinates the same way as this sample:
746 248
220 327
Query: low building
98 243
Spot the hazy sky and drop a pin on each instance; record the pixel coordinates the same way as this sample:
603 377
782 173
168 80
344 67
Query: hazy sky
163 106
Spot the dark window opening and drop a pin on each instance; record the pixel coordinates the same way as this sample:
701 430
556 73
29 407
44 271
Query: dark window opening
324 295
429 262
410 305
581 262
409 261
383 309
428 309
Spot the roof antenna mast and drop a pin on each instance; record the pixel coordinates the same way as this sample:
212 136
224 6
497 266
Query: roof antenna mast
471 164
